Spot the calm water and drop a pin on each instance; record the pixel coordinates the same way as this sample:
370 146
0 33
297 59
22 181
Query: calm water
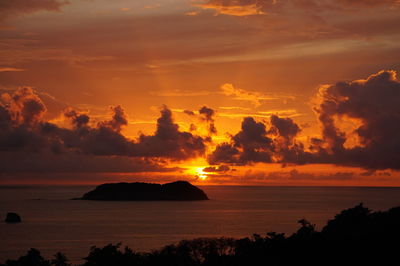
52 222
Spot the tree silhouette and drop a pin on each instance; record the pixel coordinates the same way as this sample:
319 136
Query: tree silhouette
355 236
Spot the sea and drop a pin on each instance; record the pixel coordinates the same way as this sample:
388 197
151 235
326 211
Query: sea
52 222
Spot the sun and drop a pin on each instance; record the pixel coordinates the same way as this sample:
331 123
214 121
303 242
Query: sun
200 173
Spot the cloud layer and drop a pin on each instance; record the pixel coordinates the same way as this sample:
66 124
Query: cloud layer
359 120
257 143
374 104
371 104
25 136
264 7
9 8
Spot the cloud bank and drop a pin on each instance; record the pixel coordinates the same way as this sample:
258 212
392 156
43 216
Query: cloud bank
10 8
359 121
242 8
372 103
25 136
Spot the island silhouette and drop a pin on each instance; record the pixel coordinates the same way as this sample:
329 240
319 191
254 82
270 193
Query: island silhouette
175 191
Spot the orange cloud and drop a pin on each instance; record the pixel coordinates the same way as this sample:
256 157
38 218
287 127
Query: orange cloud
10 8
11 69
240 94
254 97
233 10
372 102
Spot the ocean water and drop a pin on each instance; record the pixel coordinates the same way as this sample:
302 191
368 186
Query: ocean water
52 222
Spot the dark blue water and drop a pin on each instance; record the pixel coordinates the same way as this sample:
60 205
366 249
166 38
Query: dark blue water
52 222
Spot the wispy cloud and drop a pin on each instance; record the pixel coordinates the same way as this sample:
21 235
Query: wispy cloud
179 93
11 69
232 10
262 114
11 8
253 97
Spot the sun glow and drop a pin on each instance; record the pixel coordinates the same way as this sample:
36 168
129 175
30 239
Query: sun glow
195 168
200 173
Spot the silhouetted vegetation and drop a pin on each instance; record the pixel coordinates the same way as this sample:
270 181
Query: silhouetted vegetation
356 236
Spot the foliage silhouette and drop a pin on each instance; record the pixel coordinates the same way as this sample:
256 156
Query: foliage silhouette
355 236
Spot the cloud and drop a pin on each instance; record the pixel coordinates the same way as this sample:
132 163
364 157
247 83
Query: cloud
284 127
261 114
207 115
368 3
373 105
251 144
26 162
284 132
25 136
243 8
295 175
119 119
240 94
216 169
255 98
256 142
168 141
370 142
11 69
373 102
106 139
25 107
78 120
10 8
233 8
188 112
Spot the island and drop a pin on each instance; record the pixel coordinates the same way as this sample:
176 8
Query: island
12 218
175 191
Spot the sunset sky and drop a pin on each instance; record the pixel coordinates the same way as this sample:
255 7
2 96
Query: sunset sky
245 92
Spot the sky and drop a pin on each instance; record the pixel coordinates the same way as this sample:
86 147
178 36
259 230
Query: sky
216 92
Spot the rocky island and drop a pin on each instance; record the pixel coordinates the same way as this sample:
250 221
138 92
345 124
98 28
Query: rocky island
12 218
175 191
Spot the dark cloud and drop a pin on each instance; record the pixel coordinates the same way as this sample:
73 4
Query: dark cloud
26 138
216 169
119 119
207 115
286 148
224 153
188 112
256 143
374 103
168 141
50 162
78 120
10 8
25 107
371 104
251 144
284 127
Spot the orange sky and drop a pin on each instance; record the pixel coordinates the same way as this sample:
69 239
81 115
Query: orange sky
244 58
